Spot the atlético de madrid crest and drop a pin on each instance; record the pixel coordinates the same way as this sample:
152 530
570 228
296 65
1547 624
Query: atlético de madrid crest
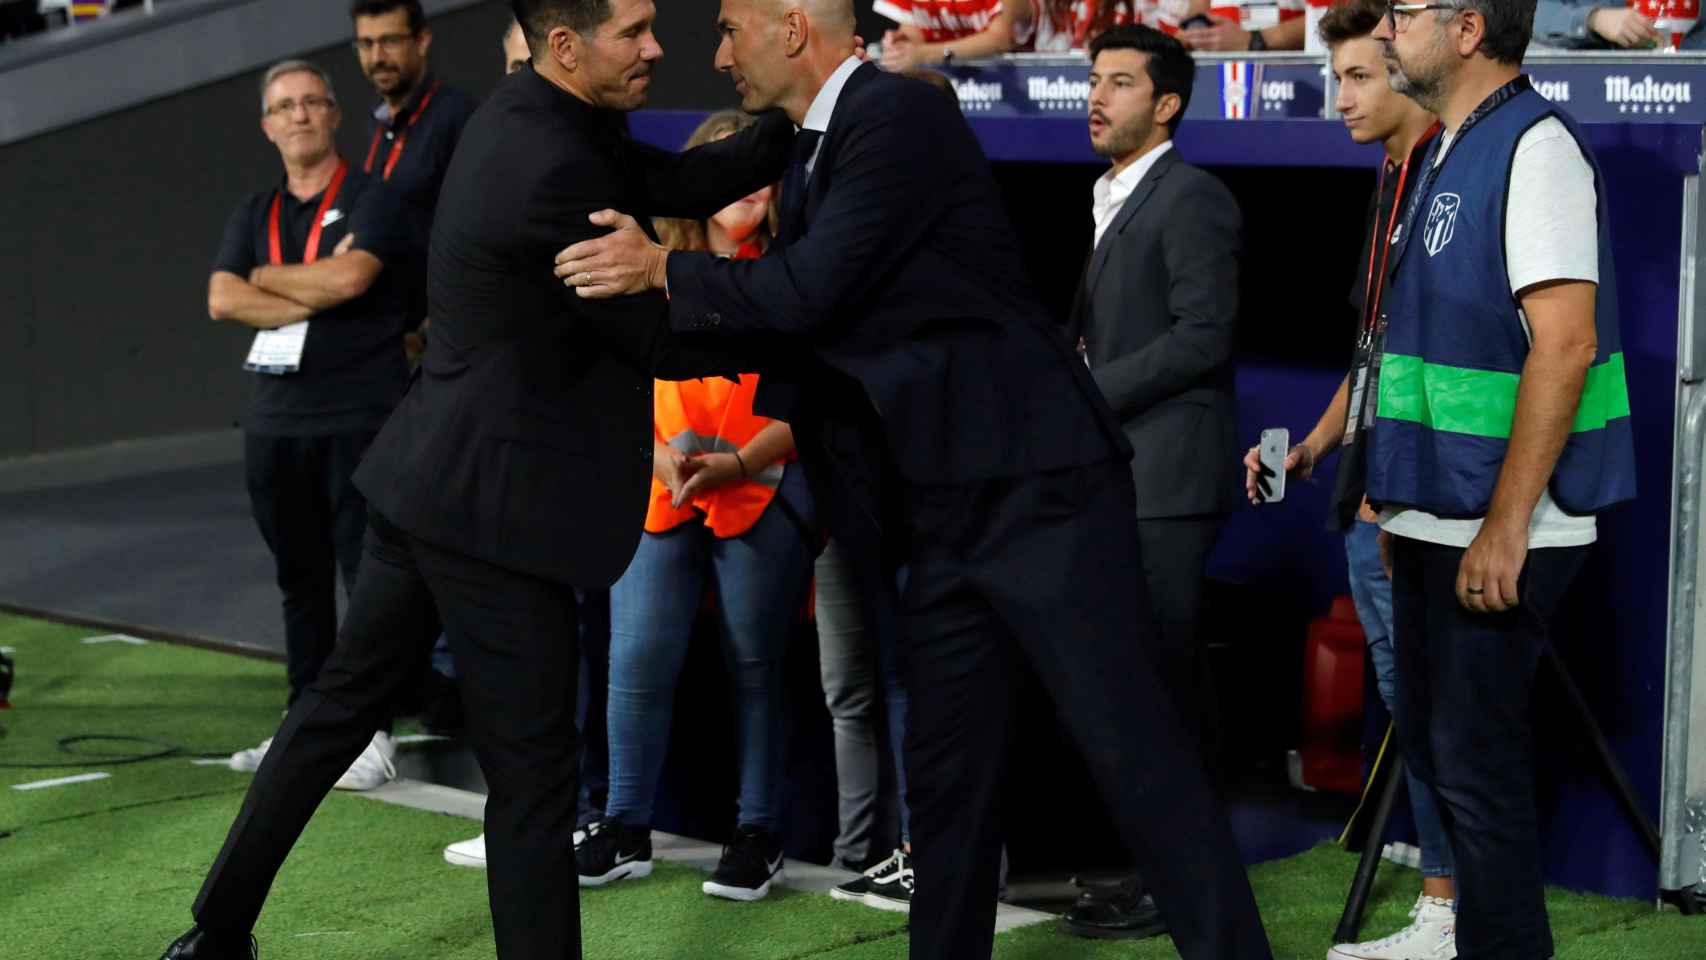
1442 222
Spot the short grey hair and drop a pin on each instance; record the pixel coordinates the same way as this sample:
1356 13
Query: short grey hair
1510 25
285 67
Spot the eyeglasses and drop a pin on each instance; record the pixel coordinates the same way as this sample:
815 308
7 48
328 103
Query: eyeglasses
390 42
1400 15
311 103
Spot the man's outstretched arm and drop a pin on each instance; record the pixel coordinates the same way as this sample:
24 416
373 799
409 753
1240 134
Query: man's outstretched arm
636 329
695 184
882 199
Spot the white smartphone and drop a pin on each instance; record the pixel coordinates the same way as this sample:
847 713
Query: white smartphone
1275 444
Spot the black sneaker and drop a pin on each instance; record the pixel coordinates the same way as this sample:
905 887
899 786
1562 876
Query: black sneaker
613 851
749 863
886 886
854 890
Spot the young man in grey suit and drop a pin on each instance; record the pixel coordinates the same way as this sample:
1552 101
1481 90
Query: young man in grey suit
1154 318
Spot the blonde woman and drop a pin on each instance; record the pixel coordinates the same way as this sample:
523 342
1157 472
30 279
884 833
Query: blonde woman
727 508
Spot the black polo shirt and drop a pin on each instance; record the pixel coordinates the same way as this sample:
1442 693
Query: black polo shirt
429 124
353 368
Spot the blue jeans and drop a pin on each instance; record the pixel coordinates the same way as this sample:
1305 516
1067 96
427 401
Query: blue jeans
1372 592
761 578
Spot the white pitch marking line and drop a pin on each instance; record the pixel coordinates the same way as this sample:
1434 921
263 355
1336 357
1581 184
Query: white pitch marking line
210 762
60 781
116 638
418 738
328 933
8 649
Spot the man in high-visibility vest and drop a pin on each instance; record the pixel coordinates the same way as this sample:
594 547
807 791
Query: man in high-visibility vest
1500 429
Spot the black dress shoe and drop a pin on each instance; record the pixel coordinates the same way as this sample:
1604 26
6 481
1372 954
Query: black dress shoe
199 944
1114 911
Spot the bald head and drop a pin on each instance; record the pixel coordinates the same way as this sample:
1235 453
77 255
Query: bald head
834 17
780 52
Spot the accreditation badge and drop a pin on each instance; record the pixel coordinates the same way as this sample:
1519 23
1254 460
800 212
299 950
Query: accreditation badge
1365 382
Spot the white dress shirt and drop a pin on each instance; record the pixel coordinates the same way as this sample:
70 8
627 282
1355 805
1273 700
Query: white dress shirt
823 106
1113 189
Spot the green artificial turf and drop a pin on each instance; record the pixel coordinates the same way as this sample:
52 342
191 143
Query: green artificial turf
198 701
366 882
108 869
1301 898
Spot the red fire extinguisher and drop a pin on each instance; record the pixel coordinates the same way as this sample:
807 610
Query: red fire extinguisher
1329 757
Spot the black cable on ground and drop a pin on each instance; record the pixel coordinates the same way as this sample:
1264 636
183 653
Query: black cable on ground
163 749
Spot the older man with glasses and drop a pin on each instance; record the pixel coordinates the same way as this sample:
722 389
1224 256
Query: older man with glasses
304 263
1501 428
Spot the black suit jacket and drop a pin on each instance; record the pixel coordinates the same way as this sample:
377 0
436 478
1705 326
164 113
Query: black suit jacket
1157 310
525 440
905 281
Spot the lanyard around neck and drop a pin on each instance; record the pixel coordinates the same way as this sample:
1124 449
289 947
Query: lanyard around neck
1430 173
311 251
1383 240
402 138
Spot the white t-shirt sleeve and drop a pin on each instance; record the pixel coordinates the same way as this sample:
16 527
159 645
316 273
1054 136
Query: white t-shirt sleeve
900 11
1551 233
1551 212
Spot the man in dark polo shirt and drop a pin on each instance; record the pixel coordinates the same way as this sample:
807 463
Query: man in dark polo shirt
411 136
304 262
413 131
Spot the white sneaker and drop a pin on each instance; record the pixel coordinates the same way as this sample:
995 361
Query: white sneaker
373 768
248 761
468 853
1431 936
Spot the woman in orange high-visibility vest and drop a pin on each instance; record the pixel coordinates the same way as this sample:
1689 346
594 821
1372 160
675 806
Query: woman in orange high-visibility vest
727 507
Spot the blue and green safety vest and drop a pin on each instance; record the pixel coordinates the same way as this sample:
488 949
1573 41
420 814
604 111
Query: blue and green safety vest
1455 344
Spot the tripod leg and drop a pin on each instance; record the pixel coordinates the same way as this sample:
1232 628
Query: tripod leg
1609 765
1351 920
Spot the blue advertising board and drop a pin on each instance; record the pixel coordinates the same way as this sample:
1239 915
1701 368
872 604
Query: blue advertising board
1595 88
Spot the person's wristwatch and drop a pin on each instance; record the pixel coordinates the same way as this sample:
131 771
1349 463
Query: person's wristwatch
1257 41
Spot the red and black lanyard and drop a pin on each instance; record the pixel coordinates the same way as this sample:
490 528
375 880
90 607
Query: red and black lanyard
310 252
402 137
1382 245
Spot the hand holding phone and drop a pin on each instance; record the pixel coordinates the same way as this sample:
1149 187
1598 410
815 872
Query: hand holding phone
1271 455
